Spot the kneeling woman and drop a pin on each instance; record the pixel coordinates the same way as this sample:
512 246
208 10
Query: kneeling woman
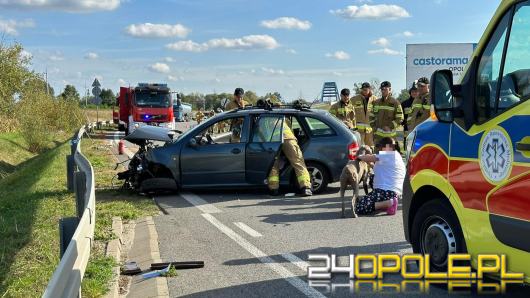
389 173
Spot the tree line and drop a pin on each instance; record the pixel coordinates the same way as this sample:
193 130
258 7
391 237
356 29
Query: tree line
27 104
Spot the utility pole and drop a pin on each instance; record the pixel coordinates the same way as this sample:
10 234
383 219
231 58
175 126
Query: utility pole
46 76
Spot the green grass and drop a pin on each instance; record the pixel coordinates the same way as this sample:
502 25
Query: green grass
109 203
98 272
32 200
13 152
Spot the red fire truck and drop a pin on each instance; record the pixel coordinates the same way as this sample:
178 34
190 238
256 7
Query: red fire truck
146 104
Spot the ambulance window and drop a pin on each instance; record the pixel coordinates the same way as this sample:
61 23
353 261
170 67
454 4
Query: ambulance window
515 86
489 70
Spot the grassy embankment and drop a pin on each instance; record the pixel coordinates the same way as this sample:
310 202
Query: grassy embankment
33 197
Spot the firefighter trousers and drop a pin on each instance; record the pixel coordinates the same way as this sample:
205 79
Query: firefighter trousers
292 151
367 138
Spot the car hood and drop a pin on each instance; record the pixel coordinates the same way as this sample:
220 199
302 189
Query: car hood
149 133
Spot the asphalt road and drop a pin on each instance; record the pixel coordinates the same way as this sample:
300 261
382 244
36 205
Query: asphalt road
254 245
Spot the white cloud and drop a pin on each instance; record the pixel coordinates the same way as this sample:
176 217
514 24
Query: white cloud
291 51
372 12
339 55
175 78
11 27
286 23
62 5
91 56
338 74
385 51
157 30
26 55
272 71
408 34
56 57
217 80
122 82
169 59
244 43
382 42
187 46
160 68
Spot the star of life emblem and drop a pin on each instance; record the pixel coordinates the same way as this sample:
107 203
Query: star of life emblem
496 156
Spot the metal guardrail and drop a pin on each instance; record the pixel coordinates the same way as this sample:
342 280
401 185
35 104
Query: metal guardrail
76 233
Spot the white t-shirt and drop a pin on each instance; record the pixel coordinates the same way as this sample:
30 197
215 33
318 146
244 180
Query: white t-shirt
389 171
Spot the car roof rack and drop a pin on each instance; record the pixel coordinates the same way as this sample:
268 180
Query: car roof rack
297 105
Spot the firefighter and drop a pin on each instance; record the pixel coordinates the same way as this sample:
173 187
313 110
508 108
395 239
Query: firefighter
362 104
199 116
386 114
343 109
421 106
236 103
407 107
293 153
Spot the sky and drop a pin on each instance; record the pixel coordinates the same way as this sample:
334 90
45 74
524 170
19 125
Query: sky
207 46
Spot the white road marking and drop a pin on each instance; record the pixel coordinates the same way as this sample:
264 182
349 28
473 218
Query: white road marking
200 203
248 229
262 257
296 261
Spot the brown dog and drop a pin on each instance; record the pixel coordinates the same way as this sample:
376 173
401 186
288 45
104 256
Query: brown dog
355 172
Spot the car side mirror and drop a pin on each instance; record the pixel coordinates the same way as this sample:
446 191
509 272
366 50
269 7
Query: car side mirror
442 95
193 143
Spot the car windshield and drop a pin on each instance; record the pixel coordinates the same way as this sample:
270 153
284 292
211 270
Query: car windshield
152 99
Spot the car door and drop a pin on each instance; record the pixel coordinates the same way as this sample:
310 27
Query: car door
490 162
219 161
264 145
505 148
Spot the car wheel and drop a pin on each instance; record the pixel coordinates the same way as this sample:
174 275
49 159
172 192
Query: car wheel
158 185
436 231
319 176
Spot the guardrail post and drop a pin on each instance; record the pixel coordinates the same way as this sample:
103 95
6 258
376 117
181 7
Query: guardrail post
67 227
70 169
80 192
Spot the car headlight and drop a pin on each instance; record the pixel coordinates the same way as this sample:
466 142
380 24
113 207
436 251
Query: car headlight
411 138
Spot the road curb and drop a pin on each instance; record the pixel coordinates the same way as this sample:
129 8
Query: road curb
146 251
114 251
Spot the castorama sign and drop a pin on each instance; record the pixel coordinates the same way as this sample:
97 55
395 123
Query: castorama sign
424 59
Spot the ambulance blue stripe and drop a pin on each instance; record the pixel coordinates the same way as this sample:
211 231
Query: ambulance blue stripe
432 132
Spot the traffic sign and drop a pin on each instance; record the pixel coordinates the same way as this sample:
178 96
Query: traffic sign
96 91
96 83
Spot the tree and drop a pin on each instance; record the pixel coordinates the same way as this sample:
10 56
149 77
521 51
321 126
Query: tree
13 76
250 97
375 83
70 94
404 95
107 97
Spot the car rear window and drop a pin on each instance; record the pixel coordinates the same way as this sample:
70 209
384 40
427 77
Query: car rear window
318 128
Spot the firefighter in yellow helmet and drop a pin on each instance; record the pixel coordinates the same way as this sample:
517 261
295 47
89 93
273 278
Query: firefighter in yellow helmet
421 106
386 114
343 109
199 116
236 103
362 104
293 153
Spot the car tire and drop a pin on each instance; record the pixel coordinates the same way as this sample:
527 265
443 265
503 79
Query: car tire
158 185
319 176
437 232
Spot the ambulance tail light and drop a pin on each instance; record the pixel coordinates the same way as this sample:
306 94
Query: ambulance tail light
352 151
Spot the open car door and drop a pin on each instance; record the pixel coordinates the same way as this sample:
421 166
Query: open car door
263 147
